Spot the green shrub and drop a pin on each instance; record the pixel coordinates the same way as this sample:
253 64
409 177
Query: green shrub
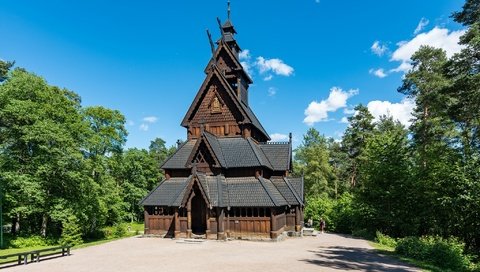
444 253
119 230
363 233
71 232
31 241
385 240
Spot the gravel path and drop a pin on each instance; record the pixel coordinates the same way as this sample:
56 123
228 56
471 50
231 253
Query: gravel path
326 252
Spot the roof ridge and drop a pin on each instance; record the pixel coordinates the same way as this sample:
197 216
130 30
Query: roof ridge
219 146
219 191
271 180
266 157
262 182
208 189
300 201
187 182
253 149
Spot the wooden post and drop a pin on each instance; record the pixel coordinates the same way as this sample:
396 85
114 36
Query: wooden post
177 225
298 219
273 224
189 221
145 218
207 231
228 224
221 224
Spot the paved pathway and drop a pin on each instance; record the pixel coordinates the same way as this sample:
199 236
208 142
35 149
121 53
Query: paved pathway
326 252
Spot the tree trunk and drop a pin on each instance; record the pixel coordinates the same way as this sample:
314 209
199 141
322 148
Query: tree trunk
43 230
15 224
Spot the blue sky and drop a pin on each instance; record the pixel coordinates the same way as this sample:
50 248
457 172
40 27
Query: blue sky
311 61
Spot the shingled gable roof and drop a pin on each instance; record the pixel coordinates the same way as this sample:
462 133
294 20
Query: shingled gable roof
196 178
279 154
178 159
218 191
247 113
223 46
213 148
233 153
167 193
286 189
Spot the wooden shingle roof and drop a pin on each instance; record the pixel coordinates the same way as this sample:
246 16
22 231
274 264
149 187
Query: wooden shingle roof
226 192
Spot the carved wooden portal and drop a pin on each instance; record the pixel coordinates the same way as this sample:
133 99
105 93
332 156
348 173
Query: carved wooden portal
199 212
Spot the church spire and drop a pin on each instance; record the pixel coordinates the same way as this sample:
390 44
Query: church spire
228 10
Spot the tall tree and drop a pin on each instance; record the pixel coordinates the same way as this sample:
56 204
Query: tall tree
386 192
360 128
106 138
312 161
470 13
40 159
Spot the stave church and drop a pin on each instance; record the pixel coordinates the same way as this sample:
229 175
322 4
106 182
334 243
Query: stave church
227 180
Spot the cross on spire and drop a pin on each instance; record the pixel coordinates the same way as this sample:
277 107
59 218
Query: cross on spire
228 9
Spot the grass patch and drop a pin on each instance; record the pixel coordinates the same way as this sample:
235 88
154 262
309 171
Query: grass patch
111 234
390 251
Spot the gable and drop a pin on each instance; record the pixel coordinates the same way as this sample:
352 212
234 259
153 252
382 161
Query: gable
216 108
226 60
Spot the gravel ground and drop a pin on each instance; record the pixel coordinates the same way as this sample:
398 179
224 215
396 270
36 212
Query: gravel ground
326 252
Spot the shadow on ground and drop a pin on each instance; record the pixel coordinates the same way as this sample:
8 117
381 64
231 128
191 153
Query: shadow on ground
350 258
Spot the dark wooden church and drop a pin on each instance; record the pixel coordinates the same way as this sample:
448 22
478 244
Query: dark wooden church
227 179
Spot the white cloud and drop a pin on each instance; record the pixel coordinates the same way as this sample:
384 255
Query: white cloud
245 57
130 123
378 72
318 111
344 120
349 111
378 48
277 66
278 137
143 127
403 67
263 66
437 37
272 91
399 111
421 25
244 54
247 67
150 119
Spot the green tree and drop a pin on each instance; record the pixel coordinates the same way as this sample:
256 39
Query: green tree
5 66
387 193
312 161
137 173
470 13
357 133
105 141
40 159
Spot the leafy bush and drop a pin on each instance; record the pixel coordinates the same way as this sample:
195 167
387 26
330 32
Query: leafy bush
319 207
444 253
338 214
385 240
119 230
32 241
342 214
71 232
363 233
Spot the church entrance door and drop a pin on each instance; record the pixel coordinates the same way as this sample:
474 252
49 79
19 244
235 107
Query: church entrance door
199 214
